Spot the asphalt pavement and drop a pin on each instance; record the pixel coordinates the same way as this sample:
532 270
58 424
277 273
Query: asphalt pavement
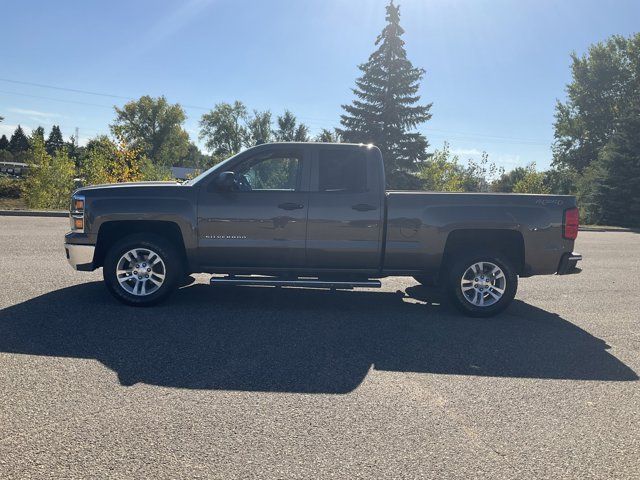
255 382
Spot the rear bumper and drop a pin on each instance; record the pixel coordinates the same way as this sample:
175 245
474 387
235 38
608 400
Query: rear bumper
80 257
568 263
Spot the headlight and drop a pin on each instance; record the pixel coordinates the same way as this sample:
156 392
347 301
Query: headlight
76 213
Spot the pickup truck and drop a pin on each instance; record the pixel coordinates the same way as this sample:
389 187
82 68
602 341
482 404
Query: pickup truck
316 215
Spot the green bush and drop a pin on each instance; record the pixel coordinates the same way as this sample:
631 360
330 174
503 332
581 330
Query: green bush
49 183
10 187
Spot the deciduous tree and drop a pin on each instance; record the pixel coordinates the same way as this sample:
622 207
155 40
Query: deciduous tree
531 182
106 161
259 129
223 128
154 127
194 158
603 82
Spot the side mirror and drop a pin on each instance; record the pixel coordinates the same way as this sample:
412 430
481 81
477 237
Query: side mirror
226 181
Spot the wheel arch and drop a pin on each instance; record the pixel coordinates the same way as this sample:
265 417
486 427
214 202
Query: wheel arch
509 243
112 231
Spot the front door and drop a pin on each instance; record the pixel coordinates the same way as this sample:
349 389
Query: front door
261 221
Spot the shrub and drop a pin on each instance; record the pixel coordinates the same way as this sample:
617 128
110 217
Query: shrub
10 187
50 180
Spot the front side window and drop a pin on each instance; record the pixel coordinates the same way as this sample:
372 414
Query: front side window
275 173
340 171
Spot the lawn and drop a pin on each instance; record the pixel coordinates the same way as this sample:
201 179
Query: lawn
12 204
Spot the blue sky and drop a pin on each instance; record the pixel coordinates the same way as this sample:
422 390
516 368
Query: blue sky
494 68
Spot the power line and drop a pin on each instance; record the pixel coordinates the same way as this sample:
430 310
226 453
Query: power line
65 89
84 92
313 121
55 99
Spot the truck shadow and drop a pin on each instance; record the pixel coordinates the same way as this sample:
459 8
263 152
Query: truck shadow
297 340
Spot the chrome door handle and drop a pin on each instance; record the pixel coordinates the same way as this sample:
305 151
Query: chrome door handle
364 207
290 206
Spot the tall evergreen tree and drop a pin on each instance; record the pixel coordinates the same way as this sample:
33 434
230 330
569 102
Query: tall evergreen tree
301 134
55 141
19 142
386 109
289 130
4 143
327 136
39 133
73 149
615 192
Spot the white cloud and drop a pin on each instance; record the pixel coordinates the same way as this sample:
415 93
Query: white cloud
466 151
34 113
507 160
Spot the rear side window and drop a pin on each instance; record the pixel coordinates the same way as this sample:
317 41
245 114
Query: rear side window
342 171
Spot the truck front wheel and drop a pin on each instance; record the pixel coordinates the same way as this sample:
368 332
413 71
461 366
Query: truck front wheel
482 285
142 270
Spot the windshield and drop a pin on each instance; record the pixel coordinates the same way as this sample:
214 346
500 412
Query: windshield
204 174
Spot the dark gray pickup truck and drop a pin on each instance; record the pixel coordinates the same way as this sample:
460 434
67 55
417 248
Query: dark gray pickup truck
316 215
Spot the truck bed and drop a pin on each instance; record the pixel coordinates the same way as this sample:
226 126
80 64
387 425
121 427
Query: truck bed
419 223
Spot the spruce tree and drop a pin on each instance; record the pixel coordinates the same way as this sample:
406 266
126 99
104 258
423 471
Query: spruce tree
19 142
617 189
4 143
289 130
55 141
301 134
327 136
386 109
38 132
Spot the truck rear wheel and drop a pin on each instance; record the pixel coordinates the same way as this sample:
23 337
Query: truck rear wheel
142 270
482 285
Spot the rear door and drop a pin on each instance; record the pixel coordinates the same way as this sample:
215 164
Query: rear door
344 226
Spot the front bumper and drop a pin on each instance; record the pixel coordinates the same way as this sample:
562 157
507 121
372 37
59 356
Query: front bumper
80 257
568 263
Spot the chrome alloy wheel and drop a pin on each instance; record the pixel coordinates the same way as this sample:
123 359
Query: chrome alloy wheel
141 272
483 284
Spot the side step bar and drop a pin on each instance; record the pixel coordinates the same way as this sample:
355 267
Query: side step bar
309 283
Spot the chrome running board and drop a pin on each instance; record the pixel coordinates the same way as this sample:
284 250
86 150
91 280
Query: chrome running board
298 282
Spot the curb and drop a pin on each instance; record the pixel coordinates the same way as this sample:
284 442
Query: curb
33 213
606 229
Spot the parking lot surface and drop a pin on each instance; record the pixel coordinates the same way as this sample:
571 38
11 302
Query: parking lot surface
252 382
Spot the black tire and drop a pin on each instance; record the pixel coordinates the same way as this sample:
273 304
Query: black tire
173 269
464 302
